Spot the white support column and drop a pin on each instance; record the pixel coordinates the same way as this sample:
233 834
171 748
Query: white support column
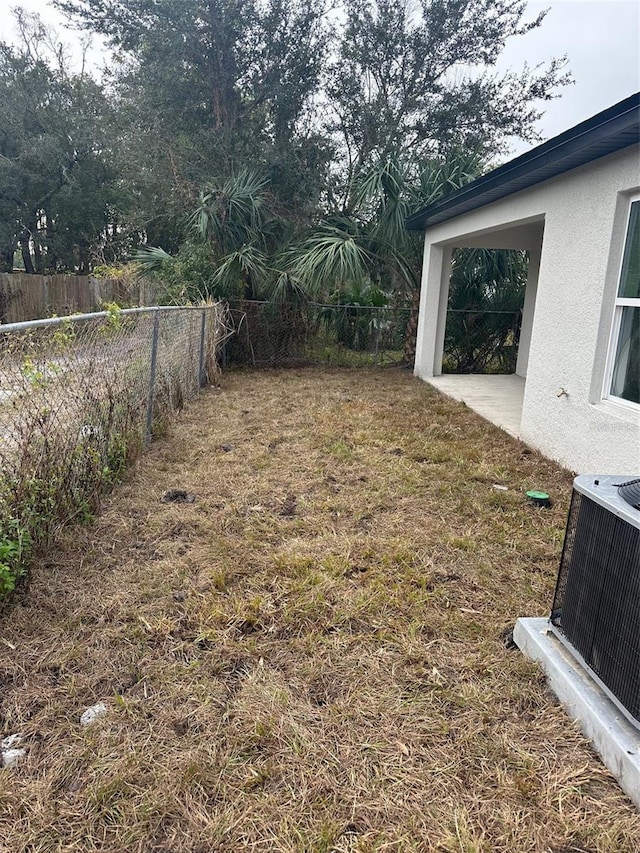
443 305
436 271
528 310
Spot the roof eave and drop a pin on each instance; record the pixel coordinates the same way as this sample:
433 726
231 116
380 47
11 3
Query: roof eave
613 129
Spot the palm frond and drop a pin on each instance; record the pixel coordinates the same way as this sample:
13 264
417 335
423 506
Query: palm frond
231 213
246 266
152 257
488 279
328 258
381 183
286 288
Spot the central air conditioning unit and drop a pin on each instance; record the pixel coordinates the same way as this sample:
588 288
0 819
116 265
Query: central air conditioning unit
596 606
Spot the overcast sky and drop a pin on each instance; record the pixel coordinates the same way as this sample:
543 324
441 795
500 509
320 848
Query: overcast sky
600 37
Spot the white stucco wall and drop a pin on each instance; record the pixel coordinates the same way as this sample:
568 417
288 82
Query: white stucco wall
584 213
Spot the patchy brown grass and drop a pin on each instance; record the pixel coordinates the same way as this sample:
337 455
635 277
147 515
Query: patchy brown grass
310 657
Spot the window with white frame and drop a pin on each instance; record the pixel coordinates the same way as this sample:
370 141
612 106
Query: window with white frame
623 376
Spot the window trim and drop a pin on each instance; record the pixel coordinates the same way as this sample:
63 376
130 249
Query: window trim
620 303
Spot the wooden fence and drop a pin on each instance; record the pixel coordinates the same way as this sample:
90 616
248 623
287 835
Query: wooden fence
31 297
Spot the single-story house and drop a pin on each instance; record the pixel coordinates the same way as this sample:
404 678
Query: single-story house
573 203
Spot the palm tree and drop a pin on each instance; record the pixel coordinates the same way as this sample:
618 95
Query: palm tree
486 293
232 234
371 246
233 219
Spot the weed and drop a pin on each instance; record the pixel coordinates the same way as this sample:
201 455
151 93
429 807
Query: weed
37 375
64 335
15 543
113 320
341 449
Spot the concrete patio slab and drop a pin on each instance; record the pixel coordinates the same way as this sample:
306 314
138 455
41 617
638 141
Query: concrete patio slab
612 735
497 398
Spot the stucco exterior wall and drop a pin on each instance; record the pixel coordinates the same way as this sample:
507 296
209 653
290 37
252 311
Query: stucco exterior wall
584 213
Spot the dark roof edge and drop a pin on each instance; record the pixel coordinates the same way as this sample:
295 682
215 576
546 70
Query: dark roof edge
541 163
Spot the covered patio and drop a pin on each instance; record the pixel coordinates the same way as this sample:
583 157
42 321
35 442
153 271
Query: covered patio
498 398
567 204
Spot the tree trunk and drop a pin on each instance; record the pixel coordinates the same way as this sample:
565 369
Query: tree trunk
39 257
83 261
25 250
409 354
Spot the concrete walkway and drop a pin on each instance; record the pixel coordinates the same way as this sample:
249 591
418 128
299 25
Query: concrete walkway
496 398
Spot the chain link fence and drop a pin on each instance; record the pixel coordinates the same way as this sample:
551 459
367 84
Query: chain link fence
295 334
79 397
481 341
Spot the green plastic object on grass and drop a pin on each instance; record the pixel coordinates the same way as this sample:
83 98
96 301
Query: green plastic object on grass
539 498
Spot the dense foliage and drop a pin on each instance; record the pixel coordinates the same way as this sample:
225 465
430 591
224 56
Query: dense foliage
60 199
256 148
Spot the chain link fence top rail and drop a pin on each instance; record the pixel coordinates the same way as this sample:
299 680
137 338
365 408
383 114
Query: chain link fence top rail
300 333
79 397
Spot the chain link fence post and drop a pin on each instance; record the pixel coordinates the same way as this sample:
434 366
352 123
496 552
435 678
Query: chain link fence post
152 376
203 328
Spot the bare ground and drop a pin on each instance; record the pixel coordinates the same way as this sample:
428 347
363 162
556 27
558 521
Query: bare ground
311 656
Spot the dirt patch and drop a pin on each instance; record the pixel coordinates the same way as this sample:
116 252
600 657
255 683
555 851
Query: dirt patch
311 656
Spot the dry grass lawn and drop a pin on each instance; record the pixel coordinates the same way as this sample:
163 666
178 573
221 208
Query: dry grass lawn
311 656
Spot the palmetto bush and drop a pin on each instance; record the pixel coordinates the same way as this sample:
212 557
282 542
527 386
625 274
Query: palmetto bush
353 327
485 301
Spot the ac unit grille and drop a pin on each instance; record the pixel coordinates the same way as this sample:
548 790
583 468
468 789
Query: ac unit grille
596 605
